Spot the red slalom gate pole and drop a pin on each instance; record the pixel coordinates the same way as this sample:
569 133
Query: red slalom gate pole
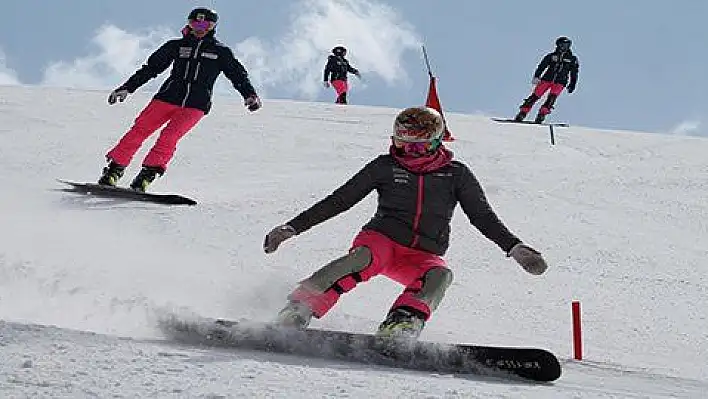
577 332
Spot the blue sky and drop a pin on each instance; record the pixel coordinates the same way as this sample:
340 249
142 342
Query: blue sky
642 67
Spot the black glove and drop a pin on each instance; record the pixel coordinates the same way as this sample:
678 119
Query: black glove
118 94
571 89
253 103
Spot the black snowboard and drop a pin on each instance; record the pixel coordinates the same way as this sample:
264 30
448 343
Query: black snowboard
126 193
528 363
559 124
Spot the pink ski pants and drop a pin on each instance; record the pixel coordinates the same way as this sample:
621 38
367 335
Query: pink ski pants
404 265
541 88
179 121
340 86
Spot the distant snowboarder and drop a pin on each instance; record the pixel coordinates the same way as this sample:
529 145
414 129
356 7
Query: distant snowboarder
554 72
419 185
197 59
336 72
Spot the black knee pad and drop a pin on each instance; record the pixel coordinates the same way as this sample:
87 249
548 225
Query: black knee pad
530 101
550 101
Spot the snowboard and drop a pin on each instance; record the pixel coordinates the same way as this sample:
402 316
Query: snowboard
126 193
460 359
557 124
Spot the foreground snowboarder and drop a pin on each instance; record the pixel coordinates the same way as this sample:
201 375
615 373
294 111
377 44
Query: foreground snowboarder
197 59
419 185
554 72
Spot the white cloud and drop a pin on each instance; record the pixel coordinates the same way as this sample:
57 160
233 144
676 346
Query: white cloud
374 34
118 55
687 128
7 75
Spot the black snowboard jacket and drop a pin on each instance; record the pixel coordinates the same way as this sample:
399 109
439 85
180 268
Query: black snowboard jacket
413 210
559 67
196 63
337 68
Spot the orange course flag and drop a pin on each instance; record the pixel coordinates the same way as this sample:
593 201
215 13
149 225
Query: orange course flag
433 101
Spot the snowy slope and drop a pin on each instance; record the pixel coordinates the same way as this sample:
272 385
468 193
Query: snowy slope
620 216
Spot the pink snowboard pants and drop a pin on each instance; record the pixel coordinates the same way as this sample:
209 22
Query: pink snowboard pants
340 86
541 88
179 121
404 265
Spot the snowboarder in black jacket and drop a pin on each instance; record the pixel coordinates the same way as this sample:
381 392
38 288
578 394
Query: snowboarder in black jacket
336 72
418 185
555 71
197 59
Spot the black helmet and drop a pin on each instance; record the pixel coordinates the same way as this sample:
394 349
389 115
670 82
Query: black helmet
203 13
339 50
563 43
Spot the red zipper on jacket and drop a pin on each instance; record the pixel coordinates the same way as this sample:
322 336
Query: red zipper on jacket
418 210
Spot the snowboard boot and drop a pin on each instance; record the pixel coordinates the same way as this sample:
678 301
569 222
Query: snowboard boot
146 176
294 315
402 323
341 99
111 174
546 108
526 107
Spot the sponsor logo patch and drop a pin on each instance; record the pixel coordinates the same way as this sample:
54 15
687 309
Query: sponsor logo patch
185 52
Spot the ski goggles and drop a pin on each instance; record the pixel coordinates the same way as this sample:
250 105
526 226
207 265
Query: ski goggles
415 146
201 25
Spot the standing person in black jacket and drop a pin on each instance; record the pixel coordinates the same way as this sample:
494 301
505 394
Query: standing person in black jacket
197 59
554 72
418 185
336 71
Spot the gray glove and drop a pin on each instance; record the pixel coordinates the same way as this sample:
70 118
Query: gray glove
118 94
535 81
530 259
276 237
